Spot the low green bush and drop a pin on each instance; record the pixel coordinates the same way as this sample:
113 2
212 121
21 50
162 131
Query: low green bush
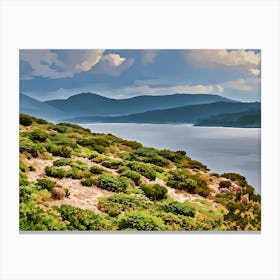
55 172
109 182
178 208
133 175
29 149
154 191
88 182
45 184
38 136
63 162
195 164
96 170
241 180
60 128
140 220
144 169
119 203
132 144
80 219
76 173
23 180
112 164
25 120
59 150
179 179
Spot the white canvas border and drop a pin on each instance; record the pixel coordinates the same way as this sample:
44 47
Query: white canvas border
135 24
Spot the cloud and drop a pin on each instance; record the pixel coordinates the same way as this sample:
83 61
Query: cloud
148 56
56 64
112 64
238 60
245 85
193 89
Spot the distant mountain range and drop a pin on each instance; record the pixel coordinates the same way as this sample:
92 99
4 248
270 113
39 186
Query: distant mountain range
90 104
198 109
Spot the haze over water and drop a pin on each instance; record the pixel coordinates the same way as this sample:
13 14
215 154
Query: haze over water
221 149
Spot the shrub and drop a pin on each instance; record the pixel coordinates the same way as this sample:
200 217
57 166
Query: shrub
195 164
132 144
38 136
154 191
60 139
241 180
88 182
29 149
60 129
144 169
173 156
149 155
45 184
25 120
182 181
133 175
25 192
80 219
178 208
63 162
55 172
139 220
76 173
60 150
112 164
118 203
33 217
109 182
94 143
225 184
23 167
96 169
76 127
23 180
67 192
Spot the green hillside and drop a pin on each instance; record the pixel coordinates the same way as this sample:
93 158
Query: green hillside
72 179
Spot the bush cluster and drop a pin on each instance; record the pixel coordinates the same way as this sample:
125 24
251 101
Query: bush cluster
109 182
144 169
178 208
133 175
154 191
38 136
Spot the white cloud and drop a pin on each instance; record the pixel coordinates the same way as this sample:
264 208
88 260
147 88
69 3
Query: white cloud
148 56
193 89
238 60
245 85
112 64
66 63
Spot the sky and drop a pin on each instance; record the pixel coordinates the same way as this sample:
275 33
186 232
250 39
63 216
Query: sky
57 74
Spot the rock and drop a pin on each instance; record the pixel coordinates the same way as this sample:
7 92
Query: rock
58 193
245 198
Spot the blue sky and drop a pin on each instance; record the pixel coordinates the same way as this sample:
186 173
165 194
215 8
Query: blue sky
58 74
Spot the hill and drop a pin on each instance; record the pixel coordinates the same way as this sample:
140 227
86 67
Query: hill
186 114
31 106
90 104
247 119
73 179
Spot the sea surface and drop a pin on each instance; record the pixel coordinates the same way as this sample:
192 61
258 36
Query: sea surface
221 149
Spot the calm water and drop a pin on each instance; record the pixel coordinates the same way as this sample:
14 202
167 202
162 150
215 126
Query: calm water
221 149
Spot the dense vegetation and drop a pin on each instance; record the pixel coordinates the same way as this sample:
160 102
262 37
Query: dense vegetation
72 179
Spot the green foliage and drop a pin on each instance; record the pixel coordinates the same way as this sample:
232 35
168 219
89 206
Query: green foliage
112 164
63 140
25 120
45 184
88 182
109 182
55 172
119 203
60 128
23 167
25 192
178 208
29 149
148 155
144 169
96 144
133 175
241 180
38 136
132 144
60 150
23 181
180 179
195 164
75 127
67 192
79 219
77 173
96 170
172 156
63 162
32 217
140 220
154 191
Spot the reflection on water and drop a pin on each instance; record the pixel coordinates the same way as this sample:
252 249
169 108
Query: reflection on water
221 149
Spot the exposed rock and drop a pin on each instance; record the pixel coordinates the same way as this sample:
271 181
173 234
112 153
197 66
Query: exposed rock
58 193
